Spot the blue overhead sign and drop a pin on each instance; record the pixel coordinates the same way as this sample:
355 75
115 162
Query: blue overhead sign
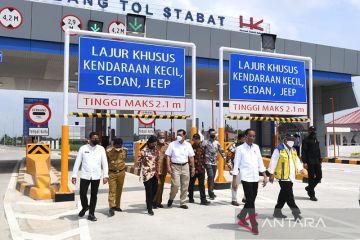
130 147
258 78
119 67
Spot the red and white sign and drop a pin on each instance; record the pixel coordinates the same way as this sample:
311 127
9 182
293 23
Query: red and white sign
117 27
132 103
294 109
70 22
10 18
148 121
39 113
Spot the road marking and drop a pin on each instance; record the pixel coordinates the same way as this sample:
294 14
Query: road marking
10 216
83 226
45 218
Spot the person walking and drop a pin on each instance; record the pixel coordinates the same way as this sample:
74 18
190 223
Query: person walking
248 163
199 162
94 164
230 163
179 154
284 164
148 163
311 158
162 146
212 148
116 156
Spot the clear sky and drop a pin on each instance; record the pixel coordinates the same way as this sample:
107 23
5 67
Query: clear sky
328 22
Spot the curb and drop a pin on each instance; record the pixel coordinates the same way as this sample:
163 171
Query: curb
340 161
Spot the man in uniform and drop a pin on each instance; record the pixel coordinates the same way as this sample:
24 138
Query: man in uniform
162 146
116 160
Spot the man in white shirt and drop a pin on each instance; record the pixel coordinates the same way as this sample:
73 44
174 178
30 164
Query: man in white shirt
179 153
248 163
92 158
284 165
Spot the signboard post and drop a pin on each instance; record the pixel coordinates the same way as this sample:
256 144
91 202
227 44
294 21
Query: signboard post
100 68
267 85
246 68
36 117
118 67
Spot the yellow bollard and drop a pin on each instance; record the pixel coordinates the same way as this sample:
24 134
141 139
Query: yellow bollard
64 194
139 145
221 178
38 165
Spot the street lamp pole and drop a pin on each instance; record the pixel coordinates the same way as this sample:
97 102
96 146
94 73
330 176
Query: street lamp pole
334 136
212 108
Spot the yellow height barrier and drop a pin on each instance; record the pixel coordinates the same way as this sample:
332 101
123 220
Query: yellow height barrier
221 178
38 165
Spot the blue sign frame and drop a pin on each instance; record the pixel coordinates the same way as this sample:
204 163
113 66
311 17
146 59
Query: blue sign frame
128 68
266 79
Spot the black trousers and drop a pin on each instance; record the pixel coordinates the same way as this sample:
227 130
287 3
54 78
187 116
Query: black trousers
84 186
201 178
286 195
315 175
211 173
250 191
150 191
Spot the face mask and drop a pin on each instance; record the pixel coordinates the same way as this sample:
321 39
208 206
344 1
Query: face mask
179 138
118 149
290 143
161 141
95 142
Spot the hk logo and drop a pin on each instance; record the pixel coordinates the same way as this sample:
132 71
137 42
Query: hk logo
251 25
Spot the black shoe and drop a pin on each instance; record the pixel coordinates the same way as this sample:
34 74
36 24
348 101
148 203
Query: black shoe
160 205
92 218
244 223
244 200
151 212
214 195
170 202
184 207
255 230
118 209
297 217
279 215
191 200
154 206
205 202
307 190
83 211
211 198
111 212
235 203
313 198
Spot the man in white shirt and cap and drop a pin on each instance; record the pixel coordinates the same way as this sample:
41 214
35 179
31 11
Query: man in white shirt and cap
248 163
94 164
284 165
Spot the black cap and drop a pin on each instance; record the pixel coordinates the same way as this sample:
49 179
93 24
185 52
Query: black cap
288 135
312 128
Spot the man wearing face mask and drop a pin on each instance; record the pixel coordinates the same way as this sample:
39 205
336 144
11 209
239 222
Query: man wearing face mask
284 165
212 148
93 161
116 160
311 157
179 154
148 163
162 146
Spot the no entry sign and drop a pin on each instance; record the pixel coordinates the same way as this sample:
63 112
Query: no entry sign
39 113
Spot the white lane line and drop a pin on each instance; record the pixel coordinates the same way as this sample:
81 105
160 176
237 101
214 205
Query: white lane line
10 216
45 218
63 235
83 226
